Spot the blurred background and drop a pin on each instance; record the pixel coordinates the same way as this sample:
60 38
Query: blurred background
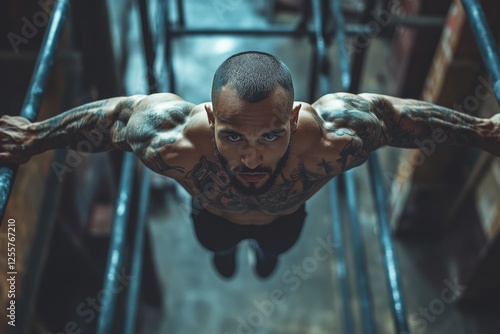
442 203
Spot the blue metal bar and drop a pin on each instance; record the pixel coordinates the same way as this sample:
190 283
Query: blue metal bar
138 248
321 68
391 265
36 89
115 261
360 54
132 303
368 324
180 13
338 241
322 65
291 31
340 36
147 41
345 81
39 250
485 42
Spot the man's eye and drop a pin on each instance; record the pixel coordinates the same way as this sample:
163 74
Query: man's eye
233 138
270 137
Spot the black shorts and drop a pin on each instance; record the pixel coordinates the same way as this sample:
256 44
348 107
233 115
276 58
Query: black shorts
219 234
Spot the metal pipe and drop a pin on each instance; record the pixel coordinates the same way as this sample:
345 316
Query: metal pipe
360 53
180 13
147 41
419 22
351 29
169 35
339 246
485 42
115 261
345 81
36 89
391 265
138 248
319 69
271 32
39 250
132 303
340 36
368 324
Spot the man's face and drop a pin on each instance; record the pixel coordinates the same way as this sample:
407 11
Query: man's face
252 140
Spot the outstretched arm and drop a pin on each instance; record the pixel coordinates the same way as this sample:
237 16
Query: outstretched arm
368 121
127 123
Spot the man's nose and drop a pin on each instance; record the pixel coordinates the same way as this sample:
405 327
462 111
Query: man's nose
251 157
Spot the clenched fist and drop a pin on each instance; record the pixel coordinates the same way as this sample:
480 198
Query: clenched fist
15 140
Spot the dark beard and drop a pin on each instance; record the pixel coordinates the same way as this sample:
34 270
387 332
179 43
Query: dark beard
251 189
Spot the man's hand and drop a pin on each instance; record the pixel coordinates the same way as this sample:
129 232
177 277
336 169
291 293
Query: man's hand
495 150
15 140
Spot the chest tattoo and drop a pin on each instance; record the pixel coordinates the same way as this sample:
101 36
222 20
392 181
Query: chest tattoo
212 186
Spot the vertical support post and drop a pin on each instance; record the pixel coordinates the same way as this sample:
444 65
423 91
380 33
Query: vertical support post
359 54
181 13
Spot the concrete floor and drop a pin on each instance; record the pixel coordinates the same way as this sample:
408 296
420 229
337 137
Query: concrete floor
197 300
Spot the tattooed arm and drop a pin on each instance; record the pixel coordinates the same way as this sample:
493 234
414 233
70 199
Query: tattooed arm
128 123
366 122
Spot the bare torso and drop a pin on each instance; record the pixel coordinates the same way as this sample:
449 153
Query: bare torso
207 181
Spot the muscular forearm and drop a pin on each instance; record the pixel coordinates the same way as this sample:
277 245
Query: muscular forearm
408 122
95 127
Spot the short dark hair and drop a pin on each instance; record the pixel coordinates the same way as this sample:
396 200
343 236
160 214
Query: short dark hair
254 75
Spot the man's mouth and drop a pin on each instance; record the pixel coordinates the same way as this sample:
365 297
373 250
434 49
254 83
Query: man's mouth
252 177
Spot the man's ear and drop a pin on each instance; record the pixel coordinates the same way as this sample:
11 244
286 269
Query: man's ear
294 117
211 117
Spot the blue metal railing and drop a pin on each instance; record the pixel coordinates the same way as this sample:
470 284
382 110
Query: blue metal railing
485 42
33 99
393 277
116 252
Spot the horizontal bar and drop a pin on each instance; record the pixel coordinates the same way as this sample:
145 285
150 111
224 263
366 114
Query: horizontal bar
485 42
273 32
350 29
36 89
431 22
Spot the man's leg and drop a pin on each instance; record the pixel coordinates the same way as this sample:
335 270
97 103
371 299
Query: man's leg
276 238
219 236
